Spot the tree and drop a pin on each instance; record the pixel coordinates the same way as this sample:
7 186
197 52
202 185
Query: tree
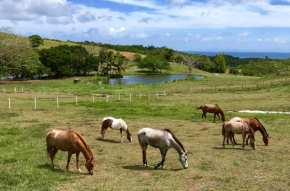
137 58
178 59
220 63
35 41
17 58
154 63
190 60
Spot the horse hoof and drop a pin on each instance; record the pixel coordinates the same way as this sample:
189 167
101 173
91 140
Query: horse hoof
121 141
79 170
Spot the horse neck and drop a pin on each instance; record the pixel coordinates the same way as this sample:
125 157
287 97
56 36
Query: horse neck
222 114
177 147
262 129
85 148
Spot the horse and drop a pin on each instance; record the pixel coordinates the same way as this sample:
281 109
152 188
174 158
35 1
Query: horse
115 124
256 126
212 109
231 127
72 142
164 140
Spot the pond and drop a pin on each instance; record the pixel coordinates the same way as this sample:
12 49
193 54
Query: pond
148 79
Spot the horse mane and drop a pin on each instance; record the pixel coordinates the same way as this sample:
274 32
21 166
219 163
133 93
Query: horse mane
261 125
84 142
175 139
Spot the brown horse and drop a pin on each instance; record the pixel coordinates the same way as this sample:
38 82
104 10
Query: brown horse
212 109
231 127
256 126
72 142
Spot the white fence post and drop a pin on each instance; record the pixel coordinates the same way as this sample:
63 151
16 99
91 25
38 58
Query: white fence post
15 89
4 90
157 96
107 98
35 103
76 99
93 98
9 103
57 103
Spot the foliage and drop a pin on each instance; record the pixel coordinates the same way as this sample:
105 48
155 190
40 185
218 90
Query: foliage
35 41
165 52
154 63
17 58
67 60
137 58
111 62
220 62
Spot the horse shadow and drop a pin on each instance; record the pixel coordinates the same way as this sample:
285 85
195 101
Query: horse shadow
60 171
141 167
107 140
230 148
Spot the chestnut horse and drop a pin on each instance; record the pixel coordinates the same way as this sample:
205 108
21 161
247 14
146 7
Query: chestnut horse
164 140
256 126
115 124
212 109
231 127
72 142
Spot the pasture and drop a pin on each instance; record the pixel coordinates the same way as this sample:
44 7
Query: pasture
24 164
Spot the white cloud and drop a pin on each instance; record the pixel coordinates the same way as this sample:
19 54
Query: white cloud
244 34
141 35
167 34
87 17
259 40
210 38
179 2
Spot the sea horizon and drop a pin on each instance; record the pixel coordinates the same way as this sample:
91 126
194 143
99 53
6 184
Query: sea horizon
249 54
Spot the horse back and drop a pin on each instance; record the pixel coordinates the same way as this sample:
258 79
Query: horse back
153 137
62 140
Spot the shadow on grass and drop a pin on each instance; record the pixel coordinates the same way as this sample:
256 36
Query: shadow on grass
141 167
61 171
107 140
231 148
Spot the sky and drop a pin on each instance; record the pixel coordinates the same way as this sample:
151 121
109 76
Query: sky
183 25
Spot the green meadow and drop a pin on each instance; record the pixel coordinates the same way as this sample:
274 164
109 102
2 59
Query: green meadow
24 164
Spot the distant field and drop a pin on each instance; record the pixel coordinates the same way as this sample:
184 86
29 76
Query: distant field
25 166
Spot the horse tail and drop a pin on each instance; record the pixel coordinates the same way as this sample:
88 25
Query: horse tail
261 125
223 130
198 108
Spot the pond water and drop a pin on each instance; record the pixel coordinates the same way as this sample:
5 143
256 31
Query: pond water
148 79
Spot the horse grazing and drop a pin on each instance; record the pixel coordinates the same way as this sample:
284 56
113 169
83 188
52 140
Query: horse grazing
212 109
72 142
115 124
164 140
256 126
230 128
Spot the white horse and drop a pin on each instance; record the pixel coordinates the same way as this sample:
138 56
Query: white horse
164 140
118 124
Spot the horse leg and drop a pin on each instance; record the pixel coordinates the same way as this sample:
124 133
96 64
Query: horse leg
231 139
50 151
121 135
163 154
225 136
244 137
247 141
214 118
104 128
68 159
144 153
77 158
218 116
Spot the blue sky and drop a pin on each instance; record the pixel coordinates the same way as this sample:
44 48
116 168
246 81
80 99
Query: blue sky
209 25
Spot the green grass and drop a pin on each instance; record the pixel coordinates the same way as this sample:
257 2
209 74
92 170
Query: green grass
24 164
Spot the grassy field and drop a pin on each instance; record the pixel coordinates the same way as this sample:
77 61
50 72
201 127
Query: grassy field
24 164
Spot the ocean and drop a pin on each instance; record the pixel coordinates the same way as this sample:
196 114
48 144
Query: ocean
273 55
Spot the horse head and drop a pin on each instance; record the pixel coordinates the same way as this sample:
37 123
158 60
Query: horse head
266 139
90 165
183 160
129 137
